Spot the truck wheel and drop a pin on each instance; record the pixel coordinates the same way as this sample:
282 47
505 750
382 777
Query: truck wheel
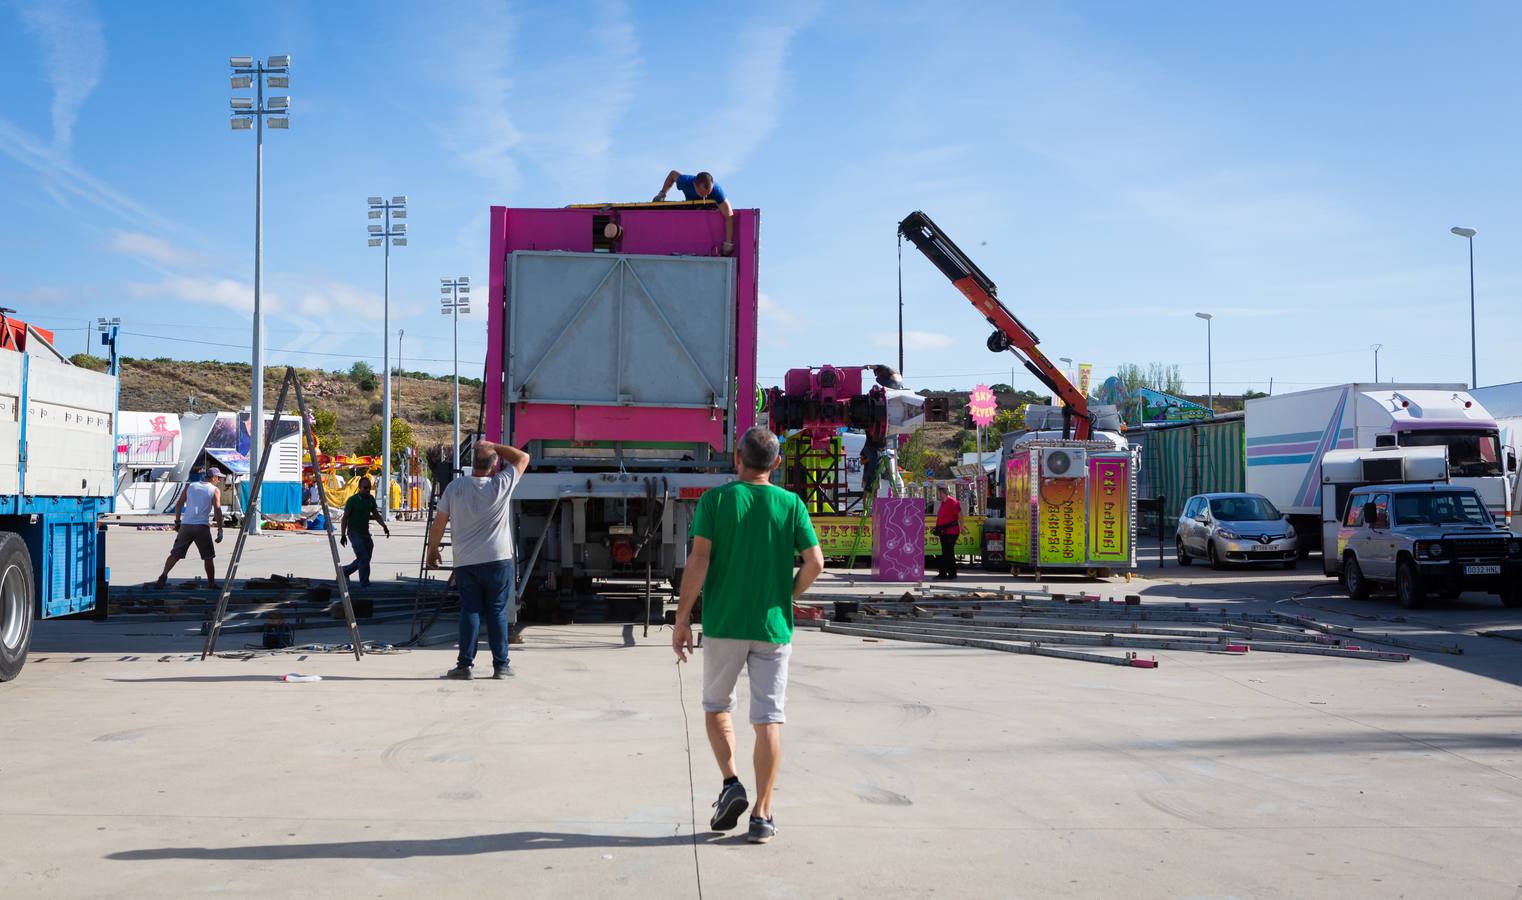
1512 597
1408 586
16 601
1181 553
1352 578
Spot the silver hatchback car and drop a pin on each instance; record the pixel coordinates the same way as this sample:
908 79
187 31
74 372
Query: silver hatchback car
1234 528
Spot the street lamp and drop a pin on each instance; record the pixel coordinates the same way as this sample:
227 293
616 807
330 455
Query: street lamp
251 114
1376 348
1474 365
1209 363
386 234
455 303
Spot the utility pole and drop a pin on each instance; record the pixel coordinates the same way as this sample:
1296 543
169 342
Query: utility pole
1376 348
454 305
250 113
385 235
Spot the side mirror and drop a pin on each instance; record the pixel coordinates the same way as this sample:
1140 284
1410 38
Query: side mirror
1511 461
1370 514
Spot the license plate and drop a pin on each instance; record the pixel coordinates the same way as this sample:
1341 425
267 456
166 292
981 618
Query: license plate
1482 570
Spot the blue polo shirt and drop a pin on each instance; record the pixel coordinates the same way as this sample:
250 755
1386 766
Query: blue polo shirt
684 184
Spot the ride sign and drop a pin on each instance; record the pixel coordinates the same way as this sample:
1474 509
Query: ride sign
982 405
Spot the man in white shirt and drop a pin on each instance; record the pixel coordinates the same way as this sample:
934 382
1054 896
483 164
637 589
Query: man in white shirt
475 508
200 506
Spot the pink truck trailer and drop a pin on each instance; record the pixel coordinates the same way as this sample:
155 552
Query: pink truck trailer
622 357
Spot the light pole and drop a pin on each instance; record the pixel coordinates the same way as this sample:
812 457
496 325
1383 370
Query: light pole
249 113
1376 348
1474 364
454 305
1209 363
385 235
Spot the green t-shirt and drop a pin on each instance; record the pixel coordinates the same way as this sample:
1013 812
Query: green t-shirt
357 510
756 530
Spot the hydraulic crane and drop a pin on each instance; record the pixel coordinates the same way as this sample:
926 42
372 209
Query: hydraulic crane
1009 333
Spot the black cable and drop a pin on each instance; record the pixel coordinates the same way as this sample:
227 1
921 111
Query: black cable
692 785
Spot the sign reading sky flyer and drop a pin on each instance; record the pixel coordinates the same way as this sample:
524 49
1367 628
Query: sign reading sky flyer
982 406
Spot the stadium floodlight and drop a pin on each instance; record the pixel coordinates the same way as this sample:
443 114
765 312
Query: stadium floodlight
281 102
453 306
445 290
464 288
278 81
242 102
399 200
240 82
242 124
377 229
399 229
375 201
279 62
375 214
464 279
399 241
446 310
279 121
389 234
398 213
375 242
240 62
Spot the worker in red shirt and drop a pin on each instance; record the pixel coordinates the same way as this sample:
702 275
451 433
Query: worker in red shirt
948 526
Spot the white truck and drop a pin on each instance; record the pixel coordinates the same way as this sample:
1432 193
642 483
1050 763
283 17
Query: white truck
58 446
1288 436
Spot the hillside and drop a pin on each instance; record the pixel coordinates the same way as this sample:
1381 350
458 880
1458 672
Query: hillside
169 385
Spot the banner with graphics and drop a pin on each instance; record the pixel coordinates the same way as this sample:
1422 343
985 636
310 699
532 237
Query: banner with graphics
1060 514
838 536
1109 509
1085 372
1017 508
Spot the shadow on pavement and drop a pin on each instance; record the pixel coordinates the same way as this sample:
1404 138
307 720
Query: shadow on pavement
508 842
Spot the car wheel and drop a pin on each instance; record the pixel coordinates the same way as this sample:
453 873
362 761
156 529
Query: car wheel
1408 586
1291 563
1512 599
1215 558
1183 556
1353 580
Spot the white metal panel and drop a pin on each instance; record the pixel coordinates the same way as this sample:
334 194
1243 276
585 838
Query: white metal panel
70 431
10 421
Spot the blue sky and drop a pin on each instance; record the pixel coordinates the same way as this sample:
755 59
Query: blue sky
1293 168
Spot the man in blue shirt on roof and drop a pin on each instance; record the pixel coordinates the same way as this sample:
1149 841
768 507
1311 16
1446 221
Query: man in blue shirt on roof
702 187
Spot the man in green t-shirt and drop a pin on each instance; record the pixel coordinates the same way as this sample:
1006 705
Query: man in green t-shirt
744 538
358 512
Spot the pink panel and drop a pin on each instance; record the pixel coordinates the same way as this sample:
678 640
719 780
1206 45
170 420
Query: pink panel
617 423
898 539
667 232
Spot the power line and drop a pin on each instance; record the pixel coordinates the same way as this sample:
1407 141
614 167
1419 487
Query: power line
160 337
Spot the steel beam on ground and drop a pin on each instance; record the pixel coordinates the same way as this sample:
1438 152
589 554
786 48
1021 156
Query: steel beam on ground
1025 649
1373 638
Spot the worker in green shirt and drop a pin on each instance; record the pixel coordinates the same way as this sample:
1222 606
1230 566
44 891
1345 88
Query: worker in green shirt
358 512
744 538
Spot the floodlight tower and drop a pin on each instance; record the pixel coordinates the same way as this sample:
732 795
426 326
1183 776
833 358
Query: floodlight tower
249 113
385 235
454 305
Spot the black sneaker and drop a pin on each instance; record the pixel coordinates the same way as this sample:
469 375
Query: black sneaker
727 810
461 672
761 830
501 672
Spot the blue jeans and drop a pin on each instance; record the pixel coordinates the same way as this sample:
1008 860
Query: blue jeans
485 590
364 548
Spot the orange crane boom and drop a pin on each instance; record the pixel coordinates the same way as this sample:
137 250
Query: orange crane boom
1010 334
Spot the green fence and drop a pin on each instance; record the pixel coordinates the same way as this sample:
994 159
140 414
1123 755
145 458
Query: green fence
1181 461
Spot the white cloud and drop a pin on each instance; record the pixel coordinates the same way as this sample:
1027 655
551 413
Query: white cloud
224 292
74 56
775 314
755 67
914 340
150 248
325 299
483 134
61 177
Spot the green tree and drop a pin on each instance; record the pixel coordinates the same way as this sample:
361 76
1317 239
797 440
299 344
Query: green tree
363 376
1157 376
1001 388
325 427
87 361
401 440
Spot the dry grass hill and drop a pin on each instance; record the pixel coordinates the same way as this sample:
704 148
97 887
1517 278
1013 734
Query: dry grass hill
424 403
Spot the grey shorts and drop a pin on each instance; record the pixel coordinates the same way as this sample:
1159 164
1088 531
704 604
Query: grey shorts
723 658
200 535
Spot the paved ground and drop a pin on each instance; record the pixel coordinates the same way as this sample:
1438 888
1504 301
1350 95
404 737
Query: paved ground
128 769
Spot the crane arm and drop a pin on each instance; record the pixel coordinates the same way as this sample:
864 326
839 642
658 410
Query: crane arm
1011 335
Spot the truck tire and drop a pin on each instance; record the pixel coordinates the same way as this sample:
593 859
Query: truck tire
17 598
1511 598
1408 586
1352 578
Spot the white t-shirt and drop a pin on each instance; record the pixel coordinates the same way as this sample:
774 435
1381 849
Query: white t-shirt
480 528
201 500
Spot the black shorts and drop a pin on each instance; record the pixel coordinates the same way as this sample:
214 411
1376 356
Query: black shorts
200 535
